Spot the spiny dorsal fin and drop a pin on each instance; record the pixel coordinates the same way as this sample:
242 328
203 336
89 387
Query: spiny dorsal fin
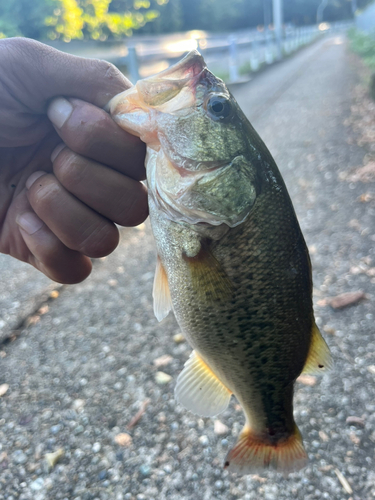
200 390
161 293
319 358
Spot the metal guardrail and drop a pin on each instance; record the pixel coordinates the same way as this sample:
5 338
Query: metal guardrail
229 55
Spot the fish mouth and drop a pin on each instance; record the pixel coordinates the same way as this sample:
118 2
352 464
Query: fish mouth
176 84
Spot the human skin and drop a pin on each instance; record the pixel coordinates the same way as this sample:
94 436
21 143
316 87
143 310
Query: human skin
68 173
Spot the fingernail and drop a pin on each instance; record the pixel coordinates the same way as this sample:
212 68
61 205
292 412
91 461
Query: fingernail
56 152
33 177
29 222
59 111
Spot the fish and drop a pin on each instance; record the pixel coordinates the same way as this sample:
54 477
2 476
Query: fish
232 262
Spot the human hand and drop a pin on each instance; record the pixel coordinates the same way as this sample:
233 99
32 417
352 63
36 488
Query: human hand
56 214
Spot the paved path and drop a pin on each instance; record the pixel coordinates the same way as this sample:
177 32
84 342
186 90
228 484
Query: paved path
79 375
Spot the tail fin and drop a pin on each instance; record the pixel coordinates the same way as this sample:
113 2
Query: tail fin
253 453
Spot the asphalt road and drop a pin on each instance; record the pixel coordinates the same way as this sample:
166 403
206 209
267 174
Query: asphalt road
84 366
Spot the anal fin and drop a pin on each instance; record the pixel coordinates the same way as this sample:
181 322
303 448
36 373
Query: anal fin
319 358
199 390
161 293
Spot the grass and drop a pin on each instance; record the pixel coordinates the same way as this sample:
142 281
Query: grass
363 44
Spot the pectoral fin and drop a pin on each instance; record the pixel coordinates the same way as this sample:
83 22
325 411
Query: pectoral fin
200 390
161 293
319 357
209 278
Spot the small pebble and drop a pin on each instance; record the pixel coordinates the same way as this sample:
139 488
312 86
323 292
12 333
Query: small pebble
55 429
3 389
19 457
220 428
178 338
37 485
123 439
145 470
103 474
162 378
204 441
219 485
96 447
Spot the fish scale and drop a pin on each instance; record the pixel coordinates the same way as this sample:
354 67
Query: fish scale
232 261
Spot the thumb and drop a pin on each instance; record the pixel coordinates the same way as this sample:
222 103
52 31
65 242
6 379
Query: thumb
48 73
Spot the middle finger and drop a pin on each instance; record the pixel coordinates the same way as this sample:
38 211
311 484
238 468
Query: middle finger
74 223
114 195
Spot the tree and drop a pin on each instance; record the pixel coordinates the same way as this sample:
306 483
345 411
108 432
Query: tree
93 19
25 17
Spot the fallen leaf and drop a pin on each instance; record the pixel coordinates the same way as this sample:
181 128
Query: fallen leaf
137 417
354 438
53 458
356 420
307 380
344 482
43 309
366 198
326 468
220 428
363 174
258 478
123 439
3 389
329 329
54 294
323 436
346 299
32 320
163 360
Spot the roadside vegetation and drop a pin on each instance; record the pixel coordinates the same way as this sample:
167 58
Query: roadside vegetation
363 44
110 19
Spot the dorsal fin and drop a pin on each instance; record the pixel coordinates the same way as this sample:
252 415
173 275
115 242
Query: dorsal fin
200 390
161 293
319 358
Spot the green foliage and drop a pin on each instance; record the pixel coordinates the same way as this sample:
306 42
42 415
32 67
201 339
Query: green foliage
78 19
25 17
106 19
364 45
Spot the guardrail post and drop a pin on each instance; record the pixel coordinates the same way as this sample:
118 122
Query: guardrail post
233 69
133 63
254 56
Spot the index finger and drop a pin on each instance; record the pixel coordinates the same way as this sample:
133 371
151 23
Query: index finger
91 132
46 73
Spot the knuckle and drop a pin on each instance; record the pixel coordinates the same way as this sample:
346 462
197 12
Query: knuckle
88 133
70 169
42 192
99 240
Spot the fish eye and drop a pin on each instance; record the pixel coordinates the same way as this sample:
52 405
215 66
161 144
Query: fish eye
219 107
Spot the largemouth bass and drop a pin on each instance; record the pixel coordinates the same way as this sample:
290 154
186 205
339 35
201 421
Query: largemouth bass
232 262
